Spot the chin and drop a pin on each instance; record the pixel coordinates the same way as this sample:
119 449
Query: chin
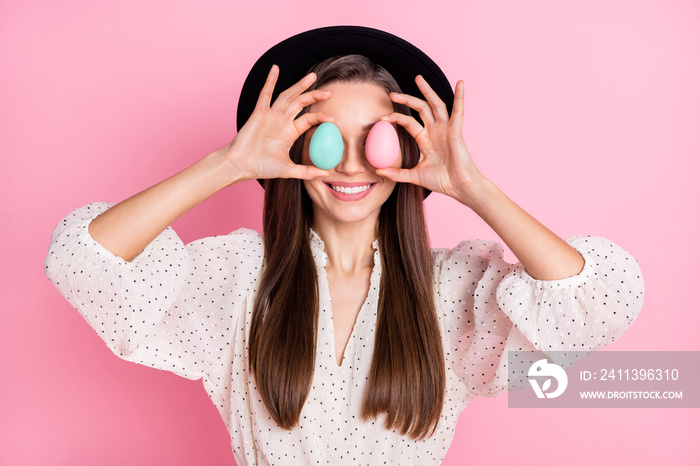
349 215
358 218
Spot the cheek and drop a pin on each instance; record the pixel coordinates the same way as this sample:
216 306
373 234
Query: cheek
313 189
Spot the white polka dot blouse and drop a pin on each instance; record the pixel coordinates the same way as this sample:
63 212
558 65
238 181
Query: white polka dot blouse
187 309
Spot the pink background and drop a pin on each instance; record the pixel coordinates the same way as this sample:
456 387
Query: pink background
585 113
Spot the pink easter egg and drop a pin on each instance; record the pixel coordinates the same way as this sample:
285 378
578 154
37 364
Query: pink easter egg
382 145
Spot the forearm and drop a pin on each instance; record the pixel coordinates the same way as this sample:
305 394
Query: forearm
128 227
544 255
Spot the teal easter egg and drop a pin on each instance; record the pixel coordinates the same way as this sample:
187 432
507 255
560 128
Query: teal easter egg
326 146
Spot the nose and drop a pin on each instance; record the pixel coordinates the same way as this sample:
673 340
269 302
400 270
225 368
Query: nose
354 160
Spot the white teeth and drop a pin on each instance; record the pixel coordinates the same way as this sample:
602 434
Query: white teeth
353 190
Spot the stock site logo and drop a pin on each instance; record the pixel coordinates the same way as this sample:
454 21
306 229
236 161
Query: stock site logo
541 369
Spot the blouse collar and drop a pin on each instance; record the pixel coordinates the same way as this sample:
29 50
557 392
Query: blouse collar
317 248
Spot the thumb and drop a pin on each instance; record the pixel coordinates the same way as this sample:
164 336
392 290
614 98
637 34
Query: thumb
304 172
400 175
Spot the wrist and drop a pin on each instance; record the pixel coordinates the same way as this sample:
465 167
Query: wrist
477 194
221 171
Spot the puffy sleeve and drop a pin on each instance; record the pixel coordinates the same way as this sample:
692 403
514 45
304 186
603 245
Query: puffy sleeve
490 307
173 307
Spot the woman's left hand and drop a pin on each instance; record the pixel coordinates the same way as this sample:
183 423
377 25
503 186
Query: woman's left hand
445 165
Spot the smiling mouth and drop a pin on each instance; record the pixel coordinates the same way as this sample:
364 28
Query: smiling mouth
350 189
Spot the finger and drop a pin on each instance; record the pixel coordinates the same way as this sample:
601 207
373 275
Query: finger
304 172
268 88
436 103
308 120
421 106
400 175
305 100
412 126
285 98
457 117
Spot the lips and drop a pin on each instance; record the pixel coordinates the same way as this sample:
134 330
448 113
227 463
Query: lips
345 191
350 189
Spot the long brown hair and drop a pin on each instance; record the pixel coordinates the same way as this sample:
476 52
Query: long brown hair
407 374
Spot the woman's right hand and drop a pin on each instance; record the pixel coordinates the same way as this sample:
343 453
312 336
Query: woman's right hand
260 150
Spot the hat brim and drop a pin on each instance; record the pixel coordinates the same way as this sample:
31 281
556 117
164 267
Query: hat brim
296 55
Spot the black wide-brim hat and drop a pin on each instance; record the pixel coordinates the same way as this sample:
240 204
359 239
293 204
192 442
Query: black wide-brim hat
296 55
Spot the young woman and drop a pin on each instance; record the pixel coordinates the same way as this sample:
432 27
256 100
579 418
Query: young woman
338 336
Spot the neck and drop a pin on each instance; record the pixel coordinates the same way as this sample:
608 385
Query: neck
348 246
